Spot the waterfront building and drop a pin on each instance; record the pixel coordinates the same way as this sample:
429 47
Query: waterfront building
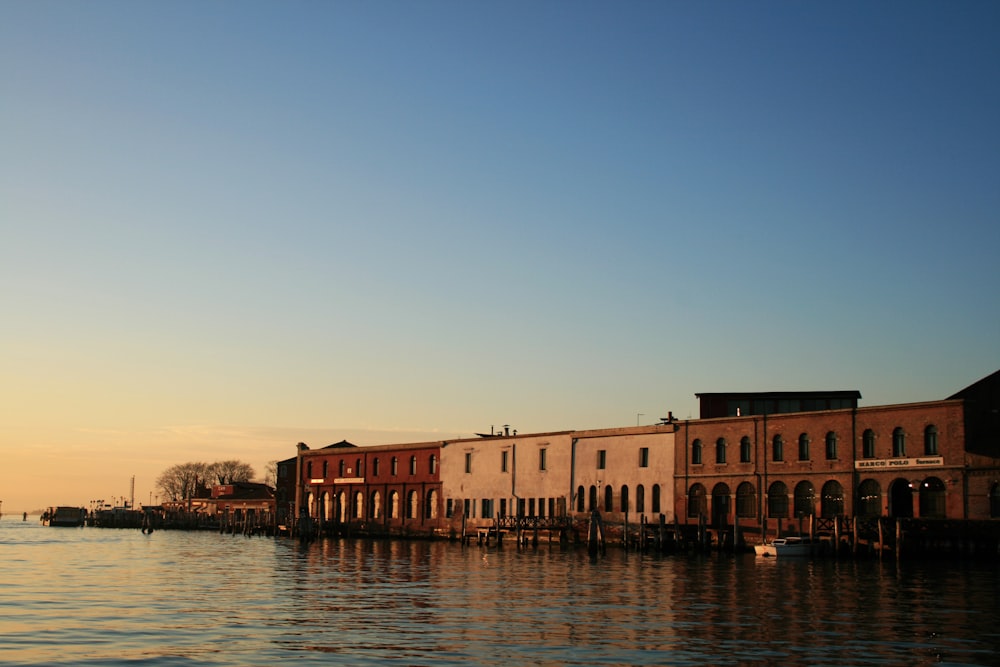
506 475
384 488
625 473
760 464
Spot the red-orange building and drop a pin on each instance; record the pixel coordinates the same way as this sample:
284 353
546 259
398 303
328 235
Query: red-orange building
387 488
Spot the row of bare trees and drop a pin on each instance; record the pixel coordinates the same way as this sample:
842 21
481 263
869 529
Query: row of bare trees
182 481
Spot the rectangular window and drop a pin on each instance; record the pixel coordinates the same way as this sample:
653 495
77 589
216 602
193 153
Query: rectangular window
602 459
531 507
503 507
541 507
644 457
504 461
541 458
468 462
487 508
466 507
449 508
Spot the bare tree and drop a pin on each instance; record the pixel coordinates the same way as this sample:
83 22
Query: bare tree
271 474
180 482
231 472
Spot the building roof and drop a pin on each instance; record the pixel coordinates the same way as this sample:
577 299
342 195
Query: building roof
843 393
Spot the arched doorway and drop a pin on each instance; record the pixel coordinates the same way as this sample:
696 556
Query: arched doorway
697 507
720 506
832 500
900 499
932 499
777 501
805 499
869 503
746 501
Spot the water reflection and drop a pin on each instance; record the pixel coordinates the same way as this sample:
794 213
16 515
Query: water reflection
75 596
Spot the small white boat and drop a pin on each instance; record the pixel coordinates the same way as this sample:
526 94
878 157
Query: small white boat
765 550
785 546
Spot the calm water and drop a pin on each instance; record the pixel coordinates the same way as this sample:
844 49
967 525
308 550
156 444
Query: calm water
112 597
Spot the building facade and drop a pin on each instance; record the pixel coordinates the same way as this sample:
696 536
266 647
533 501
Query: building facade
387 488
908 460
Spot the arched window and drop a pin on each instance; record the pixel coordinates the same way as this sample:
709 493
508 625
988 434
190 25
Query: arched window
325 466
393 504
359 505
326 506
744 449
357 467
869 499
778 448
696 452
340 469
395 467
803 447
412 505
581 499
309 469
375 467
932 499
433 464
624 499
656 498
805 499
431 511
720 450
868 444
831 445
697 502
413 465
608 504
898 442
832 500
593 498
640 498
746 500
342 507
930 440
375 509
777 501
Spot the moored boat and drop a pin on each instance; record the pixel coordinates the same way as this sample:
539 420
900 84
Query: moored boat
64 516
785 546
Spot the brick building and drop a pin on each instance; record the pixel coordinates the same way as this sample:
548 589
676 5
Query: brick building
908 460
386 488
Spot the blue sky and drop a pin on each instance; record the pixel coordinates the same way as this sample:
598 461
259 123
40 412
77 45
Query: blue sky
232 226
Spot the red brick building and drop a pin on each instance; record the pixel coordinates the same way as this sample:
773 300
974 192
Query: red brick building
382 489
909 460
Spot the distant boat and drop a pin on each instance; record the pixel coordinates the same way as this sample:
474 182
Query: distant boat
64 516
785 546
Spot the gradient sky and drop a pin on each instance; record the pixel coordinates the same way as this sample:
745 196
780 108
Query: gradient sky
231 226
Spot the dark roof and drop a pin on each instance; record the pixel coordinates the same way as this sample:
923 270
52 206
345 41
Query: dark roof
248 491
338 445
849 393
975 387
